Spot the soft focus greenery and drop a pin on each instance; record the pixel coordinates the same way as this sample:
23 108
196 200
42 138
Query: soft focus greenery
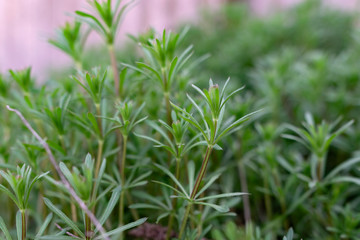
162 143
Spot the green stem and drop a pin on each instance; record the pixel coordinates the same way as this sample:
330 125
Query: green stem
122 175
88 231
115 70
99 122
23 223
100 142
99 156
183 224
169 227
168 108
320 167
244 188
97 169
73 211
174 200
168 117
196 187
202 171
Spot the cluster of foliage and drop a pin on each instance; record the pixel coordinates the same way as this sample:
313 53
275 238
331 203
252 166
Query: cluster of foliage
122 146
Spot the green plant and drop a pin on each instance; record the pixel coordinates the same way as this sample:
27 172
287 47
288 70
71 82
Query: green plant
71 41
215 127
126 119
21 185
162 65
168 171
105 22
317 138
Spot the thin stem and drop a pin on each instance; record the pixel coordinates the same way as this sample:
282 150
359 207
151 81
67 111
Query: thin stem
121 212
202 171
123 160
23 224
73 211
168 108
99 157
244 188
97 169
99 122
169 227
196 187
100 148
174 201
168 117
115 70
320 167
88 231
122 175
183 224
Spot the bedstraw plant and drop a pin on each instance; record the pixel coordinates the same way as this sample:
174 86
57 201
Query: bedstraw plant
122 152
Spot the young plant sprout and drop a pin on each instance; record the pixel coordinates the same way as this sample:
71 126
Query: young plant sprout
162 65
213 128
21 185
126 119
317 138
177 145
105 21
71 41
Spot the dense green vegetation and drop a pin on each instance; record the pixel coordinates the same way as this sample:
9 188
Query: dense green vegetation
144 141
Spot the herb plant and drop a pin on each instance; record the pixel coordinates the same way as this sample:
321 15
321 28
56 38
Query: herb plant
122 152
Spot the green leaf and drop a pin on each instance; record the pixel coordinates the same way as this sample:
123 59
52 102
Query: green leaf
97 22
348 179
343 166
144 206
152 70
207 185
162 216
58 237
191 175
19 225
187 117
223 195
10 194
174 189
4 229
150 198
167 172
110 205
44 226
236 123
172 68
63 217
218 208
123 228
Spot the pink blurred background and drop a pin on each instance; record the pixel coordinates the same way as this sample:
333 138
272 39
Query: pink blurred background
26 25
